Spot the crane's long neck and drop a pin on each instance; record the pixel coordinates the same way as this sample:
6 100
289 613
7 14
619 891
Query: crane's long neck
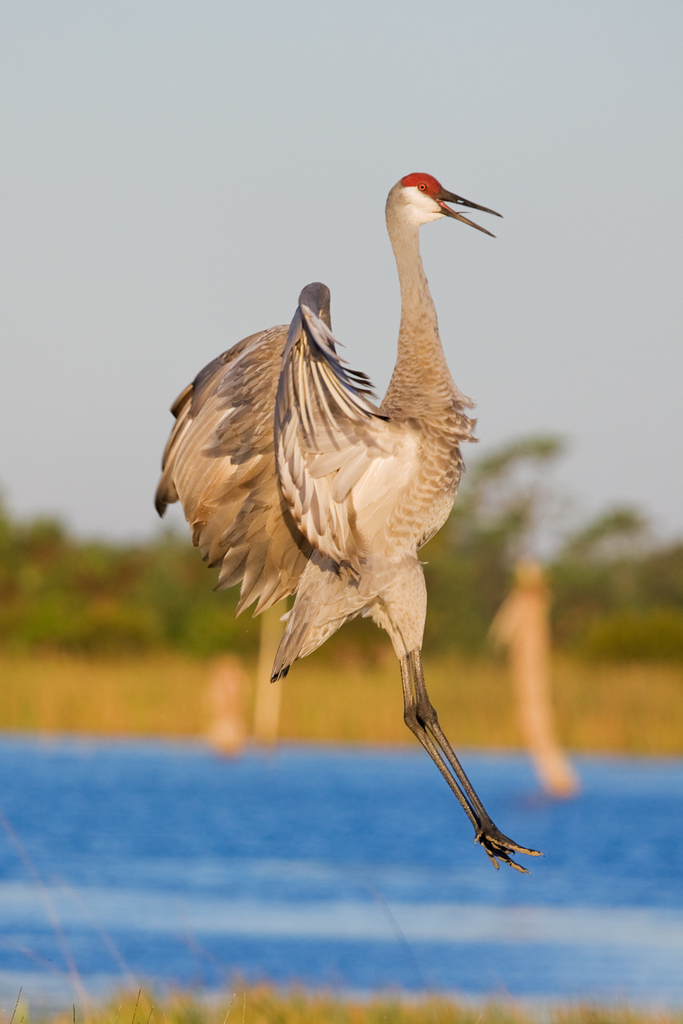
421 380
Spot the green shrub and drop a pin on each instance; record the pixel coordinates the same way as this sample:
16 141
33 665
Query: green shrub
65 622
651 635
210 628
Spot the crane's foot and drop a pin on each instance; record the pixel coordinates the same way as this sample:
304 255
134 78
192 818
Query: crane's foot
499 847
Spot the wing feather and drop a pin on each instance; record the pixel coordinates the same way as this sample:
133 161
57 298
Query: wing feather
220 463
277 450
330 440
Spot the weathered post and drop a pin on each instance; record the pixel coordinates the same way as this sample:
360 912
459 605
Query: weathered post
268 695
227 732
522 625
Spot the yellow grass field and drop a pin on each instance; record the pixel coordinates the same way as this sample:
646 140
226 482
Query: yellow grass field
613 708
264 1005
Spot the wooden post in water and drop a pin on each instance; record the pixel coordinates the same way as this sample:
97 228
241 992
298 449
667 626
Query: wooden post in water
522 625
268 695
227 732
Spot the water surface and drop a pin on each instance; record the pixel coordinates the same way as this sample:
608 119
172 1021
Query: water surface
353 869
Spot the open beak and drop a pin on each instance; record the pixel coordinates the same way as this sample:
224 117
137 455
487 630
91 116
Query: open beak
444 197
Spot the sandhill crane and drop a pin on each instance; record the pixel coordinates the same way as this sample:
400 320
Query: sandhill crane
293 481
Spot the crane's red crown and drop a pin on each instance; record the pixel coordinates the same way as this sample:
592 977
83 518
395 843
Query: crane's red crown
425 182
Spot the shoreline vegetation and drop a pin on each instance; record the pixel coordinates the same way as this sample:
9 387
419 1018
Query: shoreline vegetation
625 708
264 1004
616 592
124 639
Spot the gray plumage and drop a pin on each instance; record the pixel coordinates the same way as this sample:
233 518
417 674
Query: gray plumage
295 482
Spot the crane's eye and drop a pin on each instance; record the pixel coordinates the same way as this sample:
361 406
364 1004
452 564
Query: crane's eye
422 186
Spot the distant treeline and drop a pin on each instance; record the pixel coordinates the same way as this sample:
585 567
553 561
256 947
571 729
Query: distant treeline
617 594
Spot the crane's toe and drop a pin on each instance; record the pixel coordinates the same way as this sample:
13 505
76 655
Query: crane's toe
499 847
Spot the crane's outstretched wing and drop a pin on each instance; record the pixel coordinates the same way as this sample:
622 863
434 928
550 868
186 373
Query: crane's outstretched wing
219 461
341 463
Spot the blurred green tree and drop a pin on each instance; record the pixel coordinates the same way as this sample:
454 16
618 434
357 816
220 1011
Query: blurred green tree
61 593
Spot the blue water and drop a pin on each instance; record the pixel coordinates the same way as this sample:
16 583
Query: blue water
344 868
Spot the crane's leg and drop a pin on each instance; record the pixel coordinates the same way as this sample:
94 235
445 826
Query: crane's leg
422 720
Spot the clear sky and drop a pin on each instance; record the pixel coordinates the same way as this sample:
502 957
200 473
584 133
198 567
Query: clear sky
174 172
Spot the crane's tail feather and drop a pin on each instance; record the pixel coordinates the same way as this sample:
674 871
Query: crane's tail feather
303 636
323 603
293 644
